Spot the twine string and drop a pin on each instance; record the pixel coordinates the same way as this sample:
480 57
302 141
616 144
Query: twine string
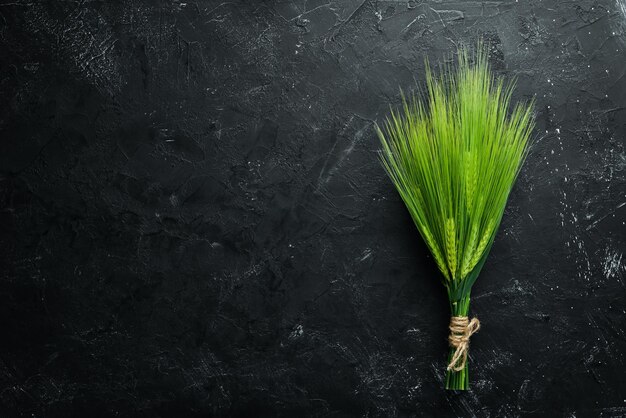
461 329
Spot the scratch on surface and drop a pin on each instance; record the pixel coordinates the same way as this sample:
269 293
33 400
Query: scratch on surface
594 223
342 23
448 15
584 265
621 6
86 45
612 263
327 173
367 253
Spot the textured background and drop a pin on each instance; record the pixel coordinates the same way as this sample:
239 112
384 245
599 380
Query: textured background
193 219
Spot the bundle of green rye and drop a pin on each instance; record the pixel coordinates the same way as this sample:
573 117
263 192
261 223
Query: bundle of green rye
454 152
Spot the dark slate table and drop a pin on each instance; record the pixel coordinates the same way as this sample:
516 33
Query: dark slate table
194 221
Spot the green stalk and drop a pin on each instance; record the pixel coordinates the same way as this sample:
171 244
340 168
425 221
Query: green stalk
458 380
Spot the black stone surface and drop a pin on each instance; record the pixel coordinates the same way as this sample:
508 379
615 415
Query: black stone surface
194 222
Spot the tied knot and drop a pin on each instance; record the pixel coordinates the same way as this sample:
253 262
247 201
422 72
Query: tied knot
461 329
